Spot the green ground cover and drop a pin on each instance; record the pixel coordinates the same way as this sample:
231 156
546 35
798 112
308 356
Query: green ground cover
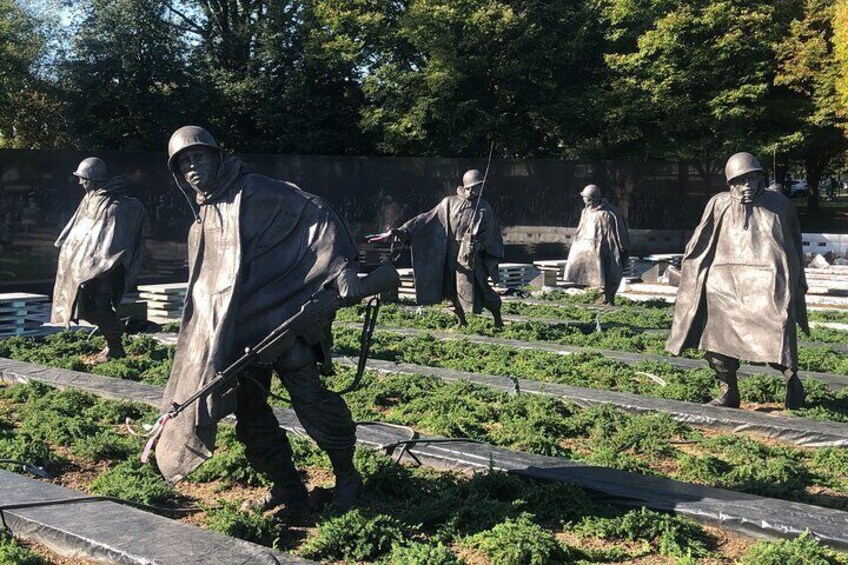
648 444
406 515
593 299
590 370
619 338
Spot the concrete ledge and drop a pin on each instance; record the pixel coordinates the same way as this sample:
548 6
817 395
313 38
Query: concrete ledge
113 533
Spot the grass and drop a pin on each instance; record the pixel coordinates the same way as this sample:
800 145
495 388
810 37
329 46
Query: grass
648 444
406 515
628 337
590 370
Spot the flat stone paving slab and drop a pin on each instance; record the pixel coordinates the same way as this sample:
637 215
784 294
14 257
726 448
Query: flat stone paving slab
113 533
753 515
800 431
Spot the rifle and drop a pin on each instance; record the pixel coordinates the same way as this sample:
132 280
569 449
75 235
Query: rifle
468 246
321 305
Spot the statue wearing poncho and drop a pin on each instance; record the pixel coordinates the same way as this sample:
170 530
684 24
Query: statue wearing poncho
100 255
600 247
742 283
455 252
259 249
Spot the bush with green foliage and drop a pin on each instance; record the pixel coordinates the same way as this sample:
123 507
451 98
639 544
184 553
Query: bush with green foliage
519 541
355 536
13 553
803 550
249 526
672 535
133 480
414 553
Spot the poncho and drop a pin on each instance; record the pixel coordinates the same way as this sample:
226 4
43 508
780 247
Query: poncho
260 249
435 238
599 248
104 233
742 282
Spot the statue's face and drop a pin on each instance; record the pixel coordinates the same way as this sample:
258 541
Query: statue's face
86 184
199 167
747 185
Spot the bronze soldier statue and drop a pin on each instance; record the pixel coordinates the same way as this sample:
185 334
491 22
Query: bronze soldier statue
456 247
101 251
742 283
259 249
600 248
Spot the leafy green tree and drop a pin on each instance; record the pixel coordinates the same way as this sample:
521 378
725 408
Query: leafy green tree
124 77
810 69
28 105
446 77
270 78
690 80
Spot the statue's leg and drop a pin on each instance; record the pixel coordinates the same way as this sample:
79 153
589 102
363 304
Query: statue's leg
490 299
96 308
795 396
725 369
267 446
326 418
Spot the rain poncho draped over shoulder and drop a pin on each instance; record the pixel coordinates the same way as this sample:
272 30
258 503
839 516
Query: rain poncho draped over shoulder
104 237
742 282
262 247
435 238
599 248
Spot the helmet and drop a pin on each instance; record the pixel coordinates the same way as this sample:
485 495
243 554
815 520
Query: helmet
592 192
92 168
740 164
472 178
186 137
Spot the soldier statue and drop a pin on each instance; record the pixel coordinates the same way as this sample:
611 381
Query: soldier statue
258 250
456 248
100 255
742 283
600 248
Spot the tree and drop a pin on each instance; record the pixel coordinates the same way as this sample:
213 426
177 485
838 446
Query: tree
124 78
270 78
446 77
29 109
689 80
809 68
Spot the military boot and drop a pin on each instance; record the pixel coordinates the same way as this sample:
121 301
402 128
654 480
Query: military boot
729 396
794 391
348 480
496 314
114 350
289 501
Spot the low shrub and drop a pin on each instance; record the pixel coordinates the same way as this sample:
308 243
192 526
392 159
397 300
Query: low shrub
673 536
132 480
519 541
249 526
413 553
14 553
354 536
803 550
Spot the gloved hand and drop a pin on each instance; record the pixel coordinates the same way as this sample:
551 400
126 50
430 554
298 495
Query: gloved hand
349 284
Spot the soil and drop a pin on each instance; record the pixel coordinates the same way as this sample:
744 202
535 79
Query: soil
50 556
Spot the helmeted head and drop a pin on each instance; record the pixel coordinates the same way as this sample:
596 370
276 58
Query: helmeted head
472 182
591 193
745 176
91 171
194 156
